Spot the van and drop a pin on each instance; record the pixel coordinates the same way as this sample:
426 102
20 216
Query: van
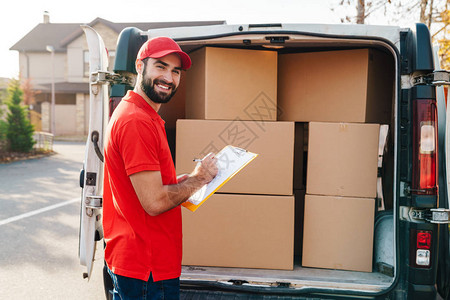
350 95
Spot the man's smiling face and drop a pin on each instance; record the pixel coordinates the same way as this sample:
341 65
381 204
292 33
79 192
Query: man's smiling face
161 77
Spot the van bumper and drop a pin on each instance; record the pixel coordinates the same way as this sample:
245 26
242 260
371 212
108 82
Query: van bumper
419 292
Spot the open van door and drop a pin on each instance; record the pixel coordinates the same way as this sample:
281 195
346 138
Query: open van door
443 272
91 179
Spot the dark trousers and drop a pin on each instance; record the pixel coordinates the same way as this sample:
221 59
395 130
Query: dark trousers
126 288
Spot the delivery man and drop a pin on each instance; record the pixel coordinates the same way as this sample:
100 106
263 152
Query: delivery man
142 195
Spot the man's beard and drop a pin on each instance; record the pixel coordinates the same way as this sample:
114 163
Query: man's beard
148 86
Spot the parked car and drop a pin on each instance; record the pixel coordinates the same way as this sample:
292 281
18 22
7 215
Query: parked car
411 258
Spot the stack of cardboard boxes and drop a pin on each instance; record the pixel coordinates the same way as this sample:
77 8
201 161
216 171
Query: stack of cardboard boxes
231 100
342 99
259 100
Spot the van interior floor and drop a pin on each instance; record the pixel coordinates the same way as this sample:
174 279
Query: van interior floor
300 277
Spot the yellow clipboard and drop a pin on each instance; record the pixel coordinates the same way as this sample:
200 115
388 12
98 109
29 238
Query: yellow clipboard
230 160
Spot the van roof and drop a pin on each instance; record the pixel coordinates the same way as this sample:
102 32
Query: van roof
390 33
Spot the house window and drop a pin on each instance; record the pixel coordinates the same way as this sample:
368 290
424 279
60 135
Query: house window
86 63
112 56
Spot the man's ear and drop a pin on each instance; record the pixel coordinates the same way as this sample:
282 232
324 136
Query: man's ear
139 66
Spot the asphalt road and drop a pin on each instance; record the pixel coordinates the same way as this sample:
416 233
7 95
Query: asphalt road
39 225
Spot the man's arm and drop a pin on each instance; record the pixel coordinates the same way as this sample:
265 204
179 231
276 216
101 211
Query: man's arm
157 198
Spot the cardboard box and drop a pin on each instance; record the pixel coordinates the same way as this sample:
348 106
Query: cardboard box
271 173
338 233
342 159
336 86
245 231
225 84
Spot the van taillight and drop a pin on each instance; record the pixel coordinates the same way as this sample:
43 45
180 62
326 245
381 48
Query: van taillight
424 171
423 239
421 248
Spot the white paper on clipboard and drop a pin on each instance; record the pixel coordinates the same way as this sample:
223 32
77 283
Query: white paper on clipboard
230 160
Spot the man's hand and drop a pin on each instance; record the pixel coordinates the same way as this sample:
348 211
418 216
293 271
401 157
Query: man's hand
207 169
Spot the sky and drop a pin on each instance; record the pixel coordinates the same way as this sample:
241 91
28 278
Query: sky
19 17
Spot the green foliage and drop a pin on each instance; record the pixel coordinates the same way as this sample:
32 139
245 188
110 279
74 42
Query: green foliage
19 132
2 121
3 129
3 124
3 141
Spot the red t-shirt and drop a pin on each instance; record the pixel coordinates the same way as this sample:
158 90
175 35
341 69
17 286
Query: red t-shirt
138 244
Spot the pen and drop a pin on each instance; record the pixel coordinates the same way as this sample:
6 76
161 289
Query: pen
197 159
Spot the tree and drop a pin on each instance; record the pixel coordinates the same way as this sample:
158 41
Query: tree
3 124
398 12
19 132
3 129
434 13
442 38
29 94
364 9
360 11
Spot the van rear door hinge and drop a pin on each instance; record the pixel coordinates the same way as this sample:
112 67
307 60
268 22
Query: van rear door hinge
92 203
430 215
102 77
437 78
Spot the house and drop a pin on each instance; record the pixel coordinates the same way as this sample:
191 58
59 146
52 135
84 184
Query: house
59 52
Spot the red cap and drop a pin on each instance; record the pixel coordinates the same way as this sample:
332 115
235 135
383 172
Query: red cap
161 46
